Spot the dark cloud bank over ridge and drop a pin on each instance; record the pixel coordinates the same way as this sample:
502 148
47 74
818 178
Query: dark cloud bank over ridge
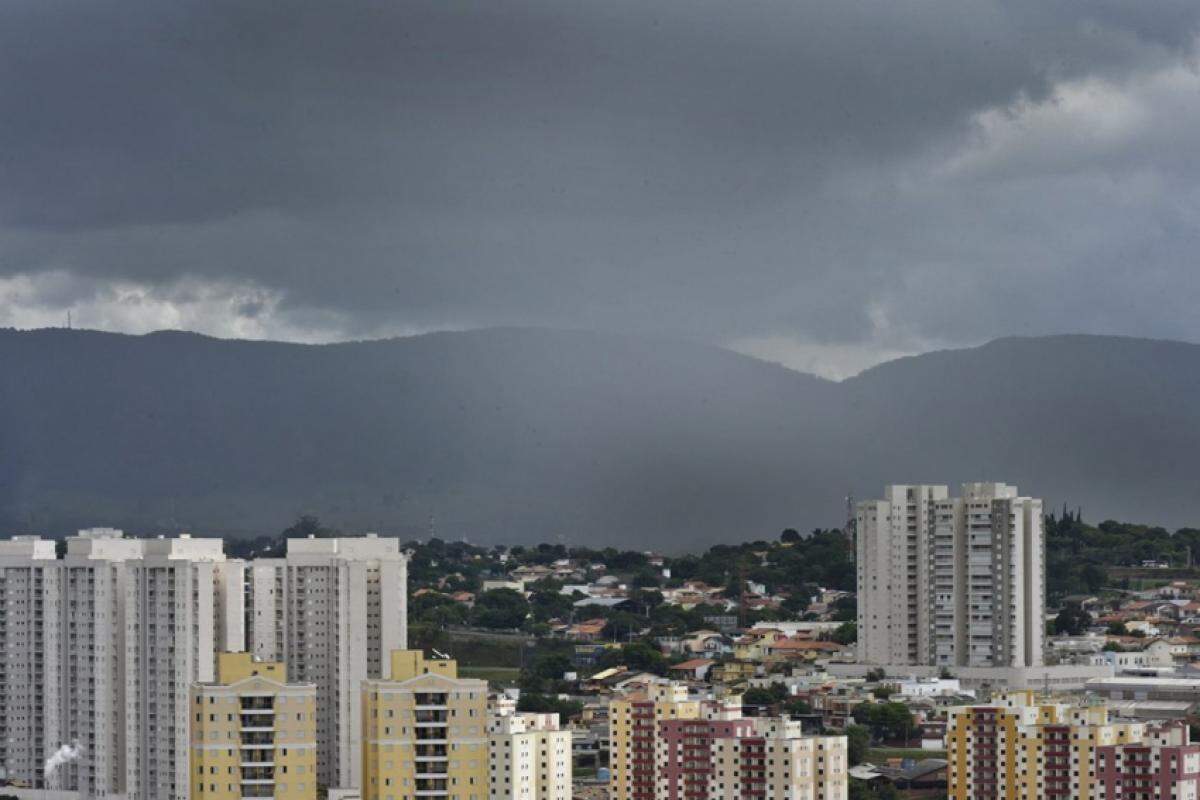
822 184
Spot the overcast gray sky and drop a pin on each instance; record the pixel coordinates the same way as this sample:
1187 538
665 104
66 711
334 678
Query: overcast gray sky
825 184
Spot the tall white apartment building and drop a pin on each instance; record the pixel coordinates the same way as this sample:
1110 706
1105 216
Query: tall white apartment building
951 581
95 648
93 659
31 687
173 631
332 610
529 757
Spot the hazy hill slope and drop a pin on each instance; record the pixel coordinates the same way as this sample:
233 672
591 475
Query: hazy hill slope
502 434
522 435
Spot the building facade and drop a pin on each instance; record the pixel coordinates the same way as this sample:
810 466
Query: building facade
94 573
31 687
424 732
667 746
1020 748
777 761
171 640
332 609
683 754
633 728
99 646
529 757
1164 765
253 734
951 581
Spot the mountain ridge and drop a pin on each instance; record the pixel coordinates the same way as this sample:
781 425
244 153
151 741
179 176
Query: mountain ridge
528 434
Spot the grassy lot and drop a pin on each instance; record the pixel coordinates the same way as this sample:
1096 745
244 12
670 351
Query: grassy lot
880 755
497 676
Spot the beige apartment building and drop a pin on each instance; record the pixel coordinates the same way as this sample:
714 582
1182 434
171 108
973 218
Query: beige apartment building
253 734
634 733
951 581
775 759
529 757
424 732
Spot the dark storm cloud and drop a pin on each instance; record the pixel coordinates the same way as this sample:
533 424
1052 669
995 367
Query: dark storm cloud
824 172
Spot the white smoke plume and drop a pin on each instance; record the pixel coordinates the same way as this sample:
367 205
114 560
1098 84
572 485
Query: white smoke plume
64 755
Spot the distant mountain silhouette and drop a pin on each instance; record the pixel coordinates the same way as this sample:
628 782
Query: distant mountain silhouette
522 435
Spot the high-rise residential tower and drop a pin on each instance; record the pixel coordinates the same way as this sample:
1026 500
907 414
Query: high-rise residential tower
172 635
31 683
94 573
333 610
96 652
951 581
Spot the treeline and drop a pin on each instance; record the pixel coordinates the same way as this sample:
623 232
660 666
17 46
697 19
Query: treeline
1079 555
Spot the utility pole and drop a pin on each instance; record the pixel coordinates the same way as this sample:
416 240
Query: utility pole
742 599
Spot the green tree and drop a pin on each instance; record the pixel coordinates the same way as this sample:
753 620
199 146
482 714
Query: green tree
758 696
500 608
886 720
636 656
1072 620
858 739
307 525
797 706
845 609
537 703
846 633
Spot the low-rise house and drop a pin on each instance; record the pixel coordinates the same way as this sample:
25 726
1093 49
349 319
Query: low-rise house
789 649
601 602
531 573
710 643
670 645
732 673
587 631
1121 660
813 629
493 584
605 679
696 669
928 774
752 646
925 687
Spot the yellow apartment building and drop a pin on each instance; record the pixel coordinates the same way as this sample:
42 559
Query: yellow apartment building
1021 748
424 732
253 734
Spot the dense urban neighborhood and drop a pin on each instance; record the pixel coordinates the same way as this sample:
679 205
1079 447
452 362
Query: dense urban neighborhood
921 650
